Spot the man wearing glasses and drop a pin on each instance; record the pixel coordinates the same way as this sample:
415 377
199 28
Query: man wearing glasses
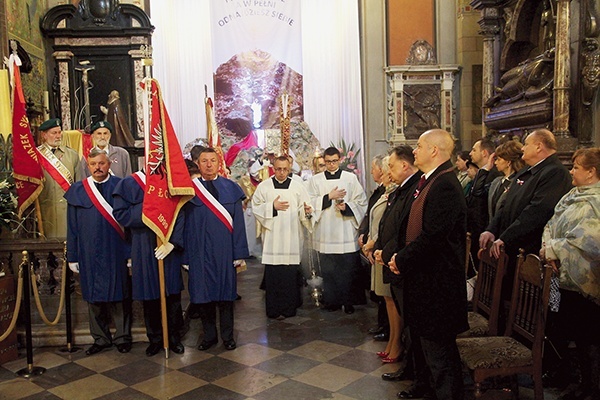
340 204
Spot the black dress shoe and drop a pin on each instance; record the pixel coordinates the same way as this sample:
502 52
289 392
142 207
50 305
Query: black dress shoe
349 309
124 347
205 345
153 349
417 392
96 348
397 376
381 337
230 344
375 330
177 348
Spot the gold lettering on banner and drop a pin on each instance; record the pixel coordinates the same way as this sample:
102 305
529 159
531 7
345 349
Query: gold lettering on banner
163 221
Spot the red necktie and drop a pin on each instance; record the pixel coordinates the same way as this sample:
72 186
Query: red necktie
420 186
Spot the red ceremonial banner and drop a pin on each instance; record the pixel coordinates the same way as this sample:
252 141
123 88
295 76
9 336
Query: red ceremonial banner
27 170
168 183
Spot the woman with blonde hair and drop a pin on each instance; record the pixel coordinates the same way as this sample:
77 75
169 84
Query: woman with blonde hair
393 350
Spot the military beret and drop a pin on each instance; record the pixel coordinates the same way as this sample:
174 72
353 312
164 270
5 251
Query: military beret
51 123
102 124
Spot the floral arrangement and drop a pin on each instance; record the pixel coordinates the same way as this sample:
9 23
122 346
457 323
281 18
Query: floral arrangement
348 156
8 204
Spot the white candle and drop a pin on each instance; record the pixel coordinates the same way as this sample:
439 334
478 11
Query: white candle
46 106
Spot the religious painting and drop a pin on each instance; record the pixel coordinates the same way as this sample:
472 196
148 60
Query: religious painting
22 23
251 69
422 109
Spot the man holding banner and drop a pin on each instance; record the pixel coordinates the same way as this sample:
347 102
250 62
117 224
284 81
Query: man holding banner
61 169
129 197
214 237
96 249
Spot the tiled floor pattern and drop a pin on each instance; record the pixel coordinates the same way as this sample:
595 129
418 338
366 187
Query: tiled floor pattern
315 355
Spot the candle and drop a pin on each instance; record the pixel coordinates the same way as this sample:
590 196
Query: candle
46 106
5 113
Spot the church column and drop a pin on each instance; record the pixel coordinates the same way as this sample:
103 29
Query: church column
490 29
487 87
63 59
139 57
562 70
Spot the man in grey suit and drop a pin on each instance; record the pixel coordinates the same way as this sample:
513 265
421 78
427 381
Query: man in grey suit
120 163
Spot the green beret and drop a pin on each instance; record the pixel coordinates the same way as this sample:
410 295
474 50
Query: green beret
102 124
51 123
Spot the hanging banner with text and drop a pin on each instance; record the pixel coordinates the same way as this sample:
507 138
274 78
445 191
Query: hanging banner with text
257 53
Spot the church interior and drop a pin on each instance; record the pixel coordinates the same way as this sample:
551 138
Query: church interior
475 68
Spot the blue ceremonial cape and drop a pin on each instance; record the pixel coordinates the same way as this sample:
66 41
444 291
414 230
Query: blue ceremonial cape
98 248
128 198
210 248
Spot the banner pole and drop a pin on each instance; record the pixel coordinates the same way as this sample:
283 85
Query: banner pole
163 301
38 215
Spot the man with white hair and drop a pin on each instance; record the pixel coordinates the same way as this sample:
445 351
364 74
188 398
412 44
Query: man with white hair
120 163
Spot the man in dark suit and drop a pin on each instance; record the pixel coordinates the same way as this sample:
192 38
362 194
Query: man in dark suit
432 263
482 154
531 199
391 233
382 330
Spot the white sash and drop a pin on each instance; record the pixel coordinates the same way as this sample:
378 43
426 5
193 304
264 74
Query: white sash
212 203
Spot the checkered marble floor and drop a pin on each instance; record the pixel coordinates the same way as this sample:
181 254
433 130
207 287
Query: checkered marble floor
315 355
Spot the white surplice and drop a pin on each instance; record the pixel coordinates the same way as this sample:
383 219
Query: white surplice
335 233
281 234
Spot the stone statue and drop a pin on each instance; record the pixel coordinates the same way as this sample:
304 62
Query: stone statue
549 24
590 73
531 79
121 135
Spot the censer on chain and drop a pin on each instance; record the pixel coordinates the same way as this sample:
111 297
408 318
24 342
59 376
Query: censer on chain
315 282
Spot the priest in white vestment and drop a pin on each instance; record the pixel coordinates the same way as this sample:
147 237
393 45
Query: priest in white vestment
280 205
340 204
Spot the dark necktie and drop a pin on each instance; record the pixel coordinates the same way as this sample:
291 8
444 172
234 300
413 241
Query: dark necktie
212 189
420 185
53 150
100 186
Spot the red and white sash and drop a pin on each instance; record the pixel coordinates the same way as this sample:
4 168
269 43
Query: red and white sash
140 178
55 168
213 204
102 205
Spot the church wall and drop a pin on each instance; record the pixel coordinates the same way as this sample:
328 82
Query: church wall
373 56
408 21
469 48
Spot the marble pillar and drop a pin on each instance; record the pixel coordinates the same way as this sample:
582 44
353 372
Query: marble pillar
562 70
63 59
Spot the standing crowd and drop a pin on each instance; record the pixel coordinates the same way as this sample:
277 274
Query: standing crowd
412 230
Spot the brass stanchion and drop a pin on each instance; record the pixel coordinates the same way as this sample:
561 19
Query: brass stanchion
69 287
30 370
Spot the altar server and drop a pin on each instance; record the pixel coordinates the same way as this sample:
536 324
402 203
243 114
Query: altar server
61 168
214 237
129 198
280 205
96 248
340 204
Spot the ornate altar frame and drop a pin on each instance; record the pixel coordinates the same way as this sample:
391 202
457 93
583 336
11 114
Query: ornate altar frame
115 35
420 97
